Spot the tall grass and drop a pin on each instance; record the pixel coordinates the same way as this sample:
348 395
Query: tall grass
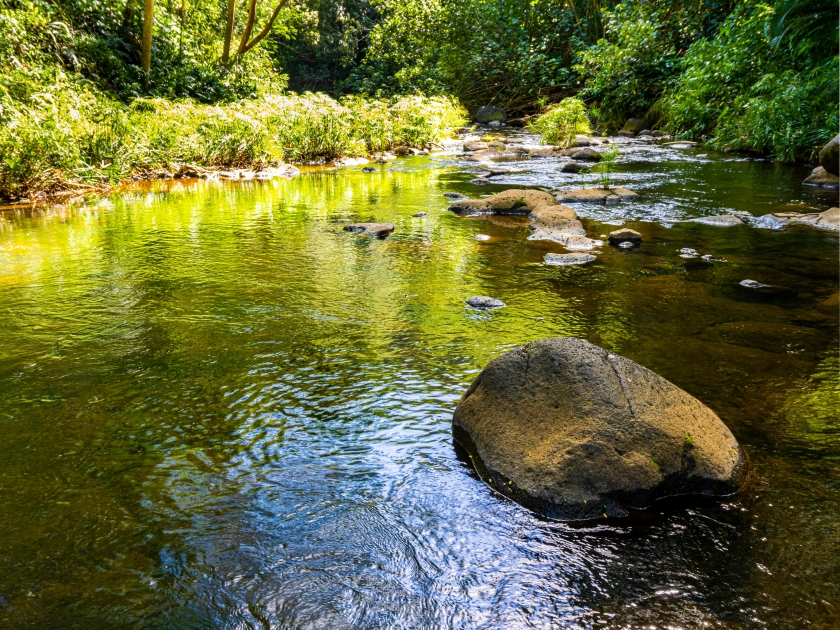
70 136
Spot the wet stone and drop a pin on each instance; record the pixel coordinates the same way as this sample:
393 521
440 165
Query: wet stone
419 215
374 230
575 167
722 220
484 302
753 284
565 260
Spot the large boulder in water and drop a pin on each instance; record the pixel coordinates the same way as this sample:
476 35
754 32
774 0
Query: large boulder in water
574 432
830 156
490 113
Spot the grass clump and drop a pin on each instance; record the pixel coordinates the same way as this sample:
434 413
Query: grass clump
68 135
606 166
560 123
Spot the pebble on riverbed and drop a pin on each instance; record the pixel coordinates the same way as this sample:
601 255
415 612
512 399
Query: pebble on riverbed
752 284
485 302
721 220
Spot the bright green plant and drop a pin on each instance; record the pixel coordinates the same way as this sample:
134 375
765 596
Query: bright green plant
606 165
560 123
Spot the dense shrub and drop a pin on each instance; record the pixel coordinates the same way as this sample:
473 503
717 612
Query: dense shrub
561 122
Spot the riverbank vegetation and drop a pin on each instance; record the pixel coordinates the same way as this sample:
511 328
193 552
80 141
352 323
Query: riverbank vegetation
88 95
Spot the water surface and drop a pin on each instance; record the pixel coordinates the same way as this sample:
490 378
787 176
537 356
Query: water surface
220 410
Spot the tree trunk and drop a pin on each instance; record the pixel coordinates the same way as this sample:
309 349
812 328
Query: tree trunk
229 30
146 48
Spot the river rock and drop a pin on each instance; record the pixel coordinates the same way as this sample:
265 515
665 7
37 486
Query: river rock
574 432
566 260
454 195
374 230
830 156
634 125
659 134
585 154
490 113
485 302
575 167
475 145
721 220
828 220
542 152
645 133
821 177
595 195
624 235
419 215
578 242
581 141
517 201
624 133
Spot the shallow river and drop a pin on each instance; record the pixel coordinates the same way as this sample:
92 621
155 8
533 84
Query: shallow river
220 410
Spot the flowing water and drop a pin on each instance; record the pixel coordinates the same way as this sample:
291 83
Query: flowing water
220 410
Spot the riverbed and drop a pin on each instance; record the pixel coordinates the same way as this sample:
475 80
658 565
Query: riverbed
218 409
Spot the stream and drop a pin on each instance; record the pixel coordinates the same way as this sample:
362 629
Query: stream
218 409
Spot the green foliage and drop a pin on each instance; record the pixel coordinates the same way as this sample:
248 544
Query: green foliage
481 51
753 93
560 123
628 69
606 166
73 136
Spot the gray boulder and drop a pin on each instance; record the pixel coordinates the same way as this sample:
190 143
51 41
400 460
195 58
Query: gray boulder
574 432
490 113
634 125
821 177
830 156
374 230
575 167
484 302
585 154
517 201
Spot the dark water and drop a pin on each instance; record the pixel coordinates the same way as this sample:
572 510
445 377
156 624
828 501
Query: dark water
219 410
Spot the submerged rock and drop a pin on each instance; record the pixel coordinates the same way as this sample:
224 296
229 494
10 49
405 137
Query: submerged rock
634 125
485 302
721 220
490 113
821 177
565 260
419 215
482 237
828 220
753 284
595 195
368 169
830 156
454 195
374 230
475 145
574 432
558 224
517 201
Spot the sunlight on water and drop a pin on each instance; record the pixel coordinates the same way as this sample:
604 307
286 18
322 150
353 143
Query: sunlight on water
218 409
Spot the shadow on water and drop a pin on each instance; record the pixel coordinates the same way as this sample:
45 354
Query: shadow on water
220 410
